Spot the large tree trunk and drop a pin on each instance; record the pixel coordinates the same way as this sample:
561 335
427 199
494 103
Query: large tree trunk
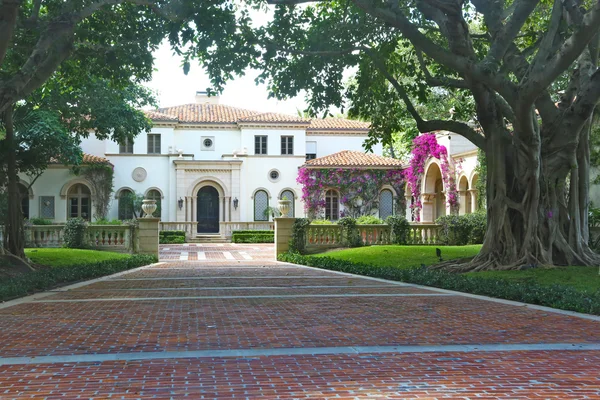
537 209
14 234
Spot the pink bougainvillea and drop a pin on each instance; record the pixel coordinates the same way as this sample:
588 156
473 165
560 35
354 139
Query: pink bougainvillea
425 146
358 188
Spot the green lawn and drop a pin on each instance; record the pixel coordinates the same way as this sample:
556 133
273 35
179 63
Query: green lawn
401 256
70 257
579 278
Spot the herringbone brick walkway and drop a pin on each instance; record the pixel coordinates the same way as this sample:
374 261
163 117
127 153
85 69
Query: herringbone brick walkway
229 326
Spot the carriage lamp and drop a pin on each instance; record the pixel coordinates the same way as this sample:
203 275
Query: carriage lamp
180 203
235 203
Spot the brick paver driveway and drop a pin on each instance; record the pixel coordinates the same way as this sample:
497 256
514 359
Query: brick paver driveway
223 321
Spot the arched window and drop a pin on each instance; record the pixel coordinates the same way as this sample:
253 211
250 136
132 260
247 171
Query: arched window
126 200
332 205
156 196
386 204
290 196
24 193
79 201
261 206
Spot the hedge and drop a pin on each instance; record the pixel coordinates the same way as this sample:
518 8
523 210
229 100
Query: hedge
253 237
556 296
45 279
269 231
172 233
171 237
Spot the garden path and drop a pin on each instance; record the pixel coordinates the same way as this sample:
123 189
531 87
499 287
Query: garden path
250 328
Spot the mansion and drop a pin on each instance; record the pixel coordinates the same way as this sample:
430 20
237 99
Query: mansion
208 164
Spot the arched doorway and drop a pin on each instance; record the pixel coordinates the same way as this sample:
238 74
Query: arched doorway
208 210
434 197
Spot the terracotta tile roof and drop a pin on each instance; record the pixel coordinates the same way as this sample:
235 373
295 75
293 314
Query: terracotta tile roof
86 159
92 159
349 158
220 114
337 124
206 113
273 117
158 116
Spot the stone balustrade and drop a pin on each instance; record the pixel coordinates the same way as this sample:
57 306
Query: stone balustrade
324 236
110 237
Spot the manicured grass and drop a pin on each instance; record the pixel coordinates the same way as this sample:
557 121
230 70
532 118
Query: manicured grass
401 256
70 257
578 278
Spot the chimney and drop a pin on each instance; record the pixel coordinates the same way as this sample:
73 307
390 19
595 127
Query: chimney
203 98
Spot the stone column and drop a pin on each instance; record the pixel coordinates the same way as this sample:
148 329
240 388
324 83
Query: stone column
283 234
148 236
408 210
194 209
473 194
427 211
462 205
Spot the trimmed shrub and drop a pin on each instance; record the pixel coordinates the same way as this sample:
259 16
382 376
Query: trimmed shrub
171 237
45 279
350 235
269 231
40 221
400 228
369 220
171 240
298 241
105 221
74 235
557 296
253 237
478 225
321 222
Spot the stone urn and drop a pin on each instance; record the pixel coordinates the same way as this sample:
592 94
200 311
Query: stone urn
284 206
148 206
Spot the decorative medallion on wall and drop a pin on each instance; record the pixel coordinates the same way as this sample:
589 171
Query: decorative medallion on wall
139 174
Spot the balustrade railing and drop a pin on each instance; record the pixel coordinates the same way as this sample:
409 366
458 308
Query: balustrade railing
110 237
44 235
324 236
424 234
331 235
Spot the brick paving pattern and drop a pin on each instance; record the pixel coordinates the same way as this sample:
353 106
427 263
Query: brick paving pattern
253 319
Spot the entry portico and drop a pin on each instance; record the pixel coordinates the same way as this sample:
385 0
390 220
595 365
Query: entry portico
207 189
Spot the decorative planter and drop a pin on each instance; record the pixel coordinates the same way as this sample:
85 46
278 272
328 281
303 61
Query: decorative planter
284 207
148 206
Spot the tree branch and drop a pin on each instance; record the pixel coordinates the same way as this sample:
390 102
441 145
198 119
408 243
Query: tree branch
506 35
547 44
437 81
547 71
9 10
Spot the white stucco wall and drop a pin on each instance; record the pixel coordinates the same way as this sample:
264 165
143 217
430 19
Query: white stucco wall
330 144
50 183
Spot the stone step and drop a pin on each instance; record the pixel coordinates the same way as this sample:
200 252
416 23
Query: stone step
208 239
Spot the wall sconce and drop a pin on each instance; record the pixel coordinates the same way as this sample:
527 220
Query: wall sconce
235 203
180 203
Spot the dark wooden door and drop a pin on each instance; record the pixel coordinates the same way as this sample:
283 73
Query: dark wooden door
208 210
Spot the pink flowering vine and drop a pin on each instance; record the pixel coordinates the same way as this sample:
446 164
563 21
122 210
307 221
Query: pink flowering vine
358 188
424 147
